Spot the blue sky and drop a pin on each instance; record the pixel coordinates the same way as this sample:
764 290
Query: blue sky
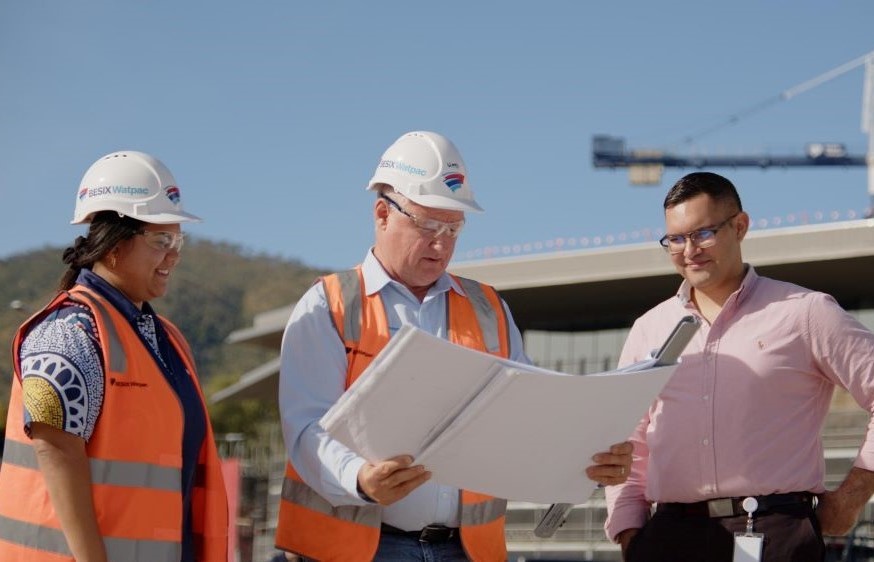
272 115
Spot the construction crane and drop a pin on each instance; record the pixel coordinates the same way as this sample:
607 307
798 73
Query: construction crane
645 166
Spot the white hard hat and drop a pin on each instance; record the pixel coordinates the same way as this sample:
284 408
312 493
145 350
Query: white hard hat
130 183
426 168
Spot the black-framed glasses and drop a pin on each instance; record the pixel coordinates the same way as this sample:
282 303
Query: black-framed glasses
431 227
701 238
163 240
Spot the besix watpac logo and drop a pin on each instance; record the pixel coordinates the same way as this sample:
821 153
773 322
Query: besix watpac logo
454 181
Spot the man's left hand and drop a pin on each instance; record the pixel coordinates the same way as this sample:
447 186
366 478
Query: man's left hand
838 511
834 517
612 467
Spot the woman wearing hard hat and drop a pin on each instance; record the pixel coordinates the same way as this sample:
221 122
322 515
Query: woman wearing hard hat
109 450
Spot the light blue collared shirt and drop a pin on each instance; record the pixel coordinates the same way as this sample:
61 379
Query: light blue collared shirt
313 377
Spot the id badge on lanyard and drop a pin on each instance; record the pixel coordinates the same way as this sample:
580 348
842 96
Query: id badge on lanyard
748 545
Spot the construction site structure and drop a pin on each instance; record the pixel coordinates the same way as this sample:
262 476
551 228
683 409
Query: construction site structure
645 166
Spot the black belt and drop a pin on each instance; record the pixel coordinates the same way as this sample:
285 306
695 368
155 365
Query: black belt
429 534
731 507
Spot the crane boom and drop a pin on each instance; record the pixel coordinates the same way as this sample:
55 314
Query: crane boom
610 152
790 93
645 165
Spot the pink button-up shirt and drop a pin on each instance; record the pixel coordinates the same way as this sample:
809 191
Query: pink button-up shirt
743 412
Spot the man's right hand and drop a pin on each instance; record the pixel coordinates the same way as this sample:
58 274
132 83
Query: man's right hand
391 480
624 538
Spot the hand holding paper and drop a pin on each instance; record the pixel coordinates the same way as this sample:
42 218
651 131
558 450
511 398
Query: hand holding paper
391 480
613 465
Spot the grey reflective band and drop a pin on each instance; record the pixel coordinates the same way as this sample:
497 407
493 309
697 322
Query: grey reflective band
486 315
117 358
19 454
299 493
136 475
112 473
52 540
483 512
142 550
350 284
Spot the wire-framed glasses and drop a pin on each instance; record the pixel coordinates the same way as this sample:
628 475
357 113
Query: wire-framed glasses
701 238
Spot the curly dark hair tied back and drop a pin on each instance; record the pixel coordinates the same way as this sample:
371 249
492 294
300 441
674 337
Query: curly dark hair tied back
107 229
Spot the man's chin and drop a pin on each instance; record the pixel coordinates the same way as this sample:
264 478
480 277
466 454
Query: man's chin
697 278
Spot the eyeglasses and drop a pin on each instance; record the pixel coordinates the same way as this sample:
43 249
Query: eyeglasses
431 227
163 240
701 238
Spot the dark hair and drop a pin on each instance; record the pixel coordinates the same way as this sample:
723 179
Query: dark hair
717 187
107 229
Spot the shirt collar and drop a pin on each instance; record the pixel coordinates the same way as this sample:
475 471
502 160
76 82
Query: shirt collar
376 278
115 297
746 286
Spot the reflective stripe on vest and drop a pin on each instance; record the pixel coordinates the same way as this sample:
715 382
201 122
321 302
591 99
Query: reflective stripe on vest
301 494
483 512
52 540
113 473
486 315
117 357
351 304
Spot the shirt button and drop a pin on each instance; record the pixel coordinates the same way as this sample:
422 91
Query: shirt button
706 397
705 441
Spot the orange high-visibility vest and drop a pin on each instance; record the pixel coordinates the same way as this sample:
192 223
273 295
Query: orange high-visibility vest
311 526
135 456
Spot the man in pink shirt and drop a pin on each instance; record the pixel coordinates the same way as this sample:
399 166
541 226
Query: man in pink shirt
741 417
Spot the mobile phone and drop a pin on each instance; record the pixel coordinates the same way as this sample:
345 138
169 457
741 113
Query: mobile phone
553 519
677 341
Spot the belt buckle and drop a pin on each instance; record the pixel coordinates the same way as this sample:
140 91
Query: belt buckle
435 533
722 507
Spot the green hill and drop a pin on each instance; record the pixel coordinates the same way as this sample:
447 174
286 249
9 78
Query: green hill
215 289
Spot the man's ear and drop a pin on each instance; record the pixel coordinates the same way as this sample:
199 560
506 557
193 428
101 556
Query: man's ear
380 212
741 225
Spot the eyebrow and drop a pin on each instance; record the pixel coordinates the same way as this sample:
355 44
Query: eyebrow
699 229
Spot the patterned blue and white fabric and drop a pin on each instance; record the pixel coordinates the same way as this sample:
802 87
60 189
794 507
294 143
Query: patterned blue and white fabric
62 372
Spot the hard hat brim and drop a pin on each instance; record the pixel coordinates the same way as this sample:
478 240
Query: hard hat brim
160 218
434 201
445 203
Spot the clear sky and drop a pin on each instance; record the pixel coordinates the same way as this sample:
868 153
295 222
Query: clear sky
273 115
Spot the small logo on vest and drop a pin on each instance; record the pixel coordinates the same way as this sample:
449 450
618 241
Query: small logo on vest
125 384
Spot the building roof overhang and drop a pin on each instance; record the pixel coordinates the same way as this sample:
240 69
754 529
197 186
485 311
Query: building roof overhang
609 287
